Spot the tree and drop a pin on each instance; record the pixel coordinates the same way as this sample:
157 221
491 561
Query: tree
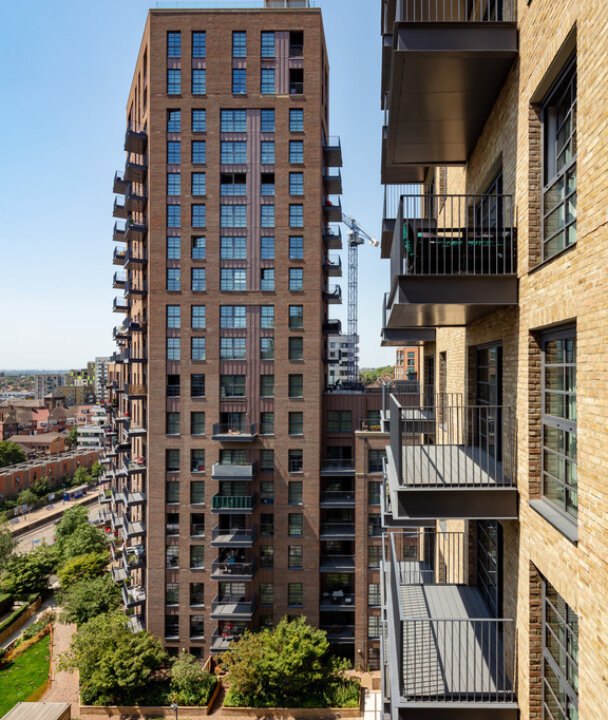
81 477
41 487
190 684
85 539
371 375
10 453
96 469
285 667
26 497
115 665
72 437
28 573
72 519
82 567
7 543
89 598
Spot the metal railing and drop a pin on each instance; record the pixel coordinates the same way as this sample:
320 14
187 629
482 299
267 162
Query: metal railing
234 502
228 569
241 535
460 11
392 199
336 528
455 235
243 603
338 464
449 444
243 429
337 496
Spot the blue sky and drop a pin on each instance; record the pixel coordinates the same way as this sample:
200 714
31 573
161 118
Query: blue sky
66 68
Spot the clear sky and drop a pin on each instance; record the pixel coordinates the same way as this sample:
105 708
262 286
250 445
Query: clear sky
66 68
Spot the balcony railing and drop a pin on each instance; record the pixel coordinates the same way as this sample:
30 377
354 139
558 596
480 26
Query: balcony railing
233 605
229 537
332 327
456 11
234 502
337 497
338 464
234 433
233 471
120 184
332 149
333 295
226 570
332 237
338 529
333 267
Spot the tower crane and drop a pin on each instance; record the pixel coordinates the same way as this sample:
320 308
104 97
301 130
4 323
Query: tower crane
356 237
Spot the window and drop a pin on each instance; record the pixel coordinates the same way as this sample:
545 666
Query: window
198 247
199 44
233 120
174 81
267 152
239 44
374 554
233 279
560 656
199 153
197 626
173 279
295 524
267 525
339 421
266 460
197 492
267 317
233 386
294 594
267 423
296 423
559 164
233 152
173 385
174 185
560 485
172 556
373 594
239 81
296 81
197 460
172 460
374 461
266 594
172 524
173 316
267 492
373 492
296 317
233 316
267 385
197 423
174 219
296 216
266 556
232 348
267 348
296 348
199 215
267 121
171 492
294 492
267 248
197 348
173 348
267 279
174 152
233 216
296 183
296 43
233 248
171 625
296 120
267 81
197 385
296 386
174 44
174 121
296 279
267 45
268 184
233 184
199 184
197 556
374 625
198 279
199 120
374 525
199 81
267 216
296 152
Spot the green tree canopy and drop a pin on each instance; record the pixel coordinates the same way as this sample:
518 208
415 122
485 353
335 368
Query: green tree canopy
26 497
7 543
80 477
370 376
72 519
190 684
85 539
89 598
96 469
41 487
73 436
10 453
29 573
82 567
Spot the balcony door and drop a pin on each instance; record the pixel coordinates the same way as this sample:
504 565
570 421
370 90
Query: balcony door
489 564
488 399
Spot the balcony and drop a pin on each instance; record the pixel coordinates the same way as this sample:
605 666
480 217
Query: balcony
135 141
137 431
337 563
337 531
220 642
332 182
333 295
443 66
233 571
337 498
224 432
232 471
120 305
118 233
120 333
119 574
134 529
453 260
332 209
332 152
233 503
337 599
136 392
132 259
451 460
133 596
232 607
401 336
233 537
119 210
133 558
135 170
135 230
136 200
446 654
120 184
333 268
119 256
332 237
119 281
339 633
332 327
337 466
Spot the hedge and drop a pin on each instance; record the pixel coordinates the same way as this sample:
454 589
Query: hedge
6 600
19 611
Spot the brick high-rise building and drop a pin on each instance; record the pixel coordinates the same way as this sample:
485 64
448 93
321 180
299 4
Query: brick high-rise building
240 489
494 585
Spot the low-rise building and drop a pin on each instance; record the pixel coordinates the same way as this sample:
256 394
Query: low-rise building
47 443
407 363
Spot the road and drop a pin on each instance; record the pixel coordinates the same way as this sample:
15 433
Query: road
46 532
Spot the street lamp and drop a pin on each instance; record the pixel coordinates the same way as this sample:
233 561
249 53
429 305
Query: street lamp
173 706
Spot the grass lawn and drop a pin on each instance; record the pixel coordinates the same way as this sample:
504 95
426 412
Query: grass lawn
26 673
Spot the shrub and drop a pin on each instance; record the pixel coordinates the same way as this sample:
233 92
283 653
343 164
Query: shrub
190 684
28 573
82 567
89 598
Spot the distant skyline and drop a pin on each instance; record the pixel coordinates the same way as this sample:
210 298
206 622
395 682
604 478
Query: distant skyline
66 70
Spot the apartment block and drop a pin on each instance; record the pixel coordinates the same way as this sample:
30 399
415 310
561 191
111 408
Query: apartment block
18 477
47 383
494 159
407 363
101 379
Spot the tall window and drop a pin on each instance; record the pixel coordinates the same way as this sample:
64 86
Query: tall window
267 121
197 423
233 248
559 164
174 121
267 216
267 279
267 423
294 492
198 317
233 120
174 218
267 348
239 81
296 386
174 44
174 185
199 120
199 44
233 316
560 484
296 423
296 183
560 656
267 45
173 279
296 279
197 348
233 216
296 151
199 247
233 279
296 317
374 461
233 152
295 461
267 152
239 44
267 317
296 120
295 524
267 385
174 152
267 248
295 594
296 216
197 385
233 348
199 152
199 81
267 81
174 81
296 348
198 279
295 557
199 216
173 348
173 316
199 183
